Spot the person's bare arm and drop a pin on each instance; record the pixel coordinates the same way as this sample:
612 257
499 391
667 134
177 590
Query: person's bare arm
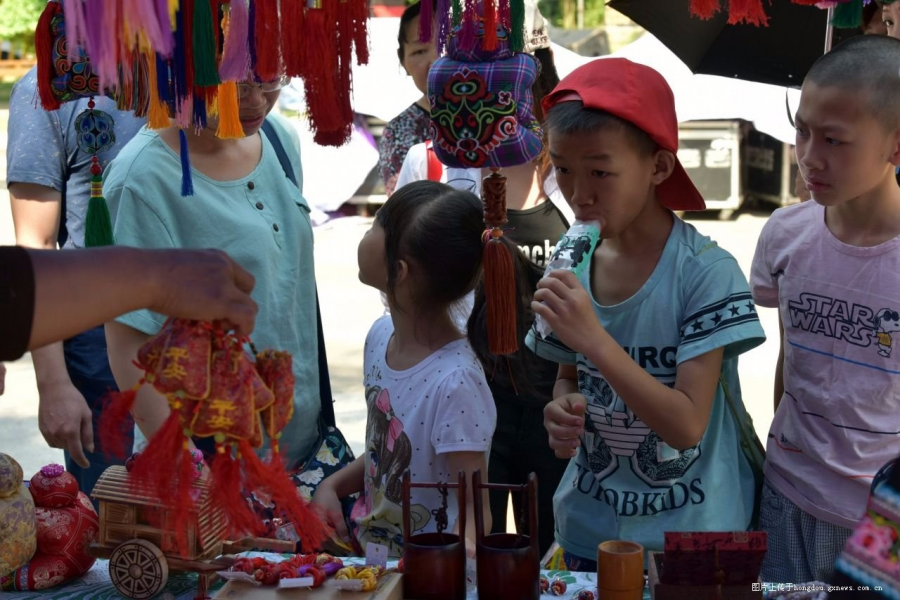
77 290
779 366
64 418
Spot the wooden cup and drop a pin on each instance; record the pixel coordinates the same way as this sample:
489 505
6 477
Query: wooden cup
620 570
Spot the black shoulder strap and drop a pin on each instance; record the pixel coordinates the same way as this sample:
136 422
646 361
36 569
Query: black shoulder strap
324 380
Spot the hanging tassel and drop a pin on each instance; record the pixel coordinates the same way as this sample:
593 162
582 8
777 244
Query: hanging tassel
251 44
288 504
466 40
503 13
187 15
443 24
747 11
489 43
181 502
187 182
426 20
705 9
499 269
236 57
226 494
115 425
229 113
158 114
43 47
203 43
75 30
291 23
361 34
517 25
456 17
848 15
152 473
165 29
198 111
98 225
173 10
806 2
267 40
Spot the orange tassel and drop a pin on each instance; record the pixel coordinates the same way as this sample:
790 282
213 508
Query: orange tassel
288 503
705 9
116 424
229 112
43 47
747 11
490 26
500 292
158 117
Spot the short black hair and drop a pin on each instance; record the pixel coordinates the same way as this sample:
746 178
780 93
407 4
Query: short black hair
868 64
572 117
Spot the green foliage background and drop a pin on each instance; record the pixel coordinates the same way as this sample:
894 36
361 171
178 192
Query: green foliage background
18 19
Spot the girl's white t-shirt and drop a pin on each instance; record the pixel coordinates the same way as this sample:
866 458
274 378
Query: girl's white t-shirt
416 417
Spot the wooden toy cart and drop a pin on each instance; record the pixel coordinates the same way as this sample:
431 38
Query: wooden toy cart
137 536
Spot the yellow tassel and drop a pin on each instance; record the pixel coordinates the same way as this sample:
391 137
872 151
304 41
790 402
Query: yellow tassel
229 112
173 9
158 117
212 107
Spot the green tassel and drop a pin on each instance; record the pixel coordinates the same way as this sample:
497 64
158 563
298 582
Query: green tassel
848 15
517 16
98 229
457 13
204 46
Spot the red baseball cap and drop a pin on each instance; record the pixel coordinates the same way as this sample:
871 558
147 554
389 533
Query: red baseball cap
641 96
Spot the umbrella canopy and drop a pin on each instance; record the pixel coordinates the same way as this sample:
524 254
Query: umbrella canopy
779 54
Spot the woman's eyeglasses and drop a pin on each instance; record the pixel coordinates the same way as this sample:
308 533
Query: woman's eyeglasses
268 87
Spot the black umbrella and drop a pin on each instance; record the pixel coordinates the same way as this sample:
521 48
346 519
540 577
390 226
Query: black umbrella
780 54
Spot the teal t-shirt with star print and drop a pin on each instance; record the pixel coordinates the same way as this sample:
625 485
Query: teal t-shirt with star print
625 482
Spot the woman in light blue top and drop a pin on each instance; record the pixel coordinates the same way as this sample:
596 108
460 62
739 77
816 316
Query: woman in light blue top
244 204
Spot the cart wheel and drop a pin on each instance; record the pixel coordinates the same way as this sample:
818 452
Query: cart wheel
138 569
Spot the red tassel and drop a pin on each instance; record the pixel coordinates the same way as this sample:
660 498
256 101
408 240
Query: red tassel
705 9
226 494
187 10
806 2
288 503
500 291
747 11
266 38
489 42
182 500
361 35
426 20
152 471
291 23
43 47
116 424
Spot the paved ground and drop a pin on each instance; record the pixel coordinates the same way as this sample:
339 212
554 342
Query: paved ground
348 309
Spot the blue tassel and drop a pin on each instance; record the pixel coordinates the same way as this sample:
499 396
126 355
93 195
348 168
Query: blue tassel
187 182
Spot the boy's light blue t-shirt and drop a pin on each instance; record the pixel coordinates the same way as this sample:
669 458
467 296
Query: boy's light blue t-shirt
261 221
625 482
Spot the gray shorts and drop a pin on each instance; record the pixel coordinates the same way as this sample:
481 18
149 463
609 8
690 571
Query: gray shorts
801 548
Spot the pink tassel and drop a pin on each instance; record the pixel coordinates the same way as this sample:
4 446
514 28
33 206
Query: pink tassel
75 30
426 20
443 24
140 15
106 61
165 29
93 28
467 30
236 58
183 113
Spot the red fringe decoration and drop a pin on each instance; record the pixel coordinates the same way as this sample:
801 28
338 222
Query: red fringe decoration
226 494
187 9
288 503
291 23
500 290
489 42
747 11
361 33
182 501
116 424
426 20
43 46
705 9
153 468
268 60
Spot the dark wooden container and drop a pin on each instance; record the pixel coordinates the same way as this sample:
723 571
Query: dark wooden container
434 564
508 563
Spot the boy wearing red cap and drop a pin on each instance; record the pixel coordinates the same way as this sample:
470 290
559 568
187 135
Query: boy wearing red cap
647 404
830 267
